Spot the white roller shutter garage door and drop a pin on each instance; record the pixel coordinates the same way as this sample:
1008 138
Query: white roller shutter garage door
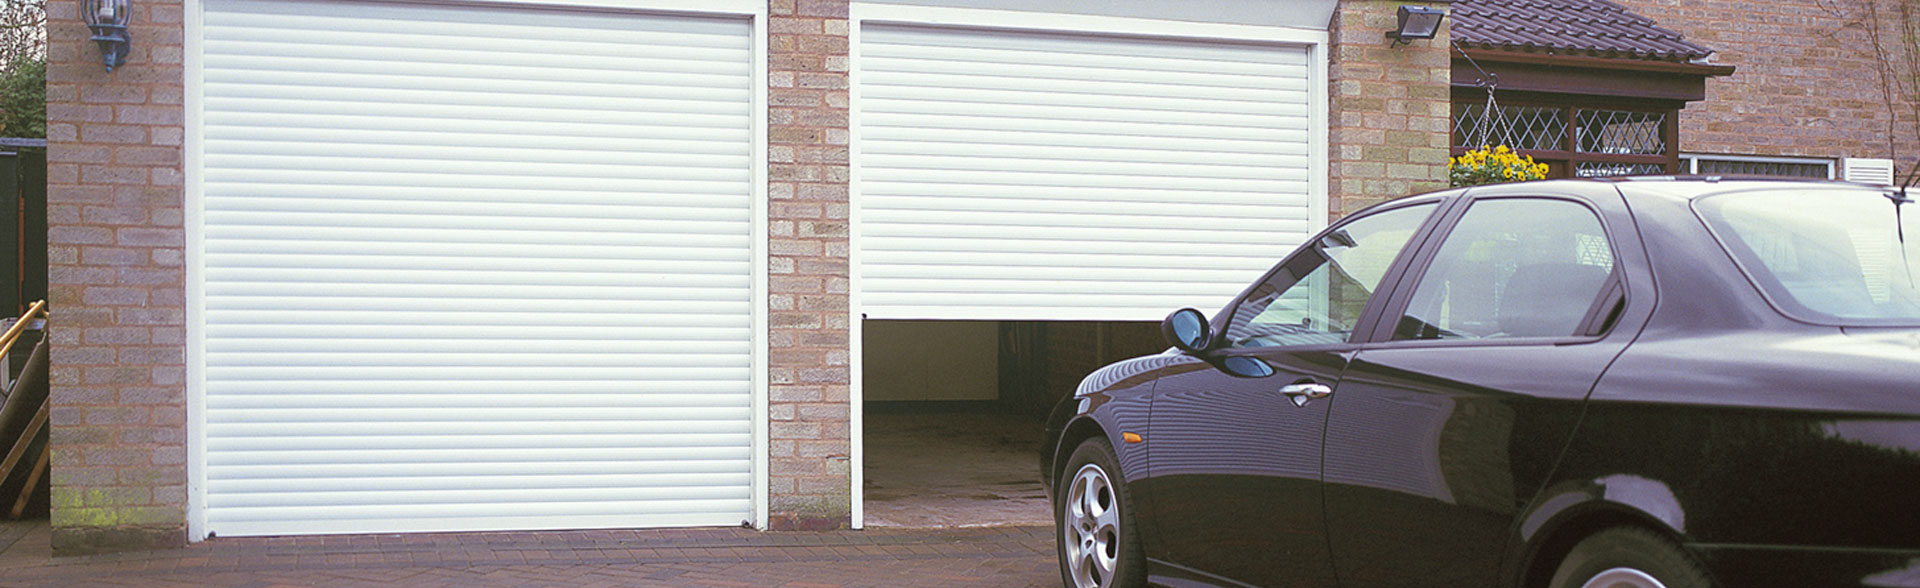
1034 175
473 267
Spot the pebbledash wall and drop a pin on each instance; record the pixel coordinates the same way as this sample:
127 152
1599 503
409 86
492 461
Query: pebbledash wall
1805 84
123 445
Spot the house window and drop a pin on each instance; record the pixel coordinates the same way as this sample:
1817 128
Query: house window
1744 165
1602 169
1525 128
1620 132
1574 137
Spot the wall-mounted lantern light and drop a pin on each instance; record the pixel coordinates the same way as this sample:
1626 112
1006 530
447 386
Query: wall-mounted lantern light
1416 22
108 21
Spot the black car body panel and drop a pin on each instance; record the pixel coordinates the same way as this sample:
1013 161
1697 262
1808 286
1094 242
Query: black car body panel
1220 455
1434 448
1109 402
1776 451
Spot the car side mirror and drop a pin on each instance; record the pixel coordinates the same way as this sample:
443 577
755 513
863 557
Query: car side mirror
1187 330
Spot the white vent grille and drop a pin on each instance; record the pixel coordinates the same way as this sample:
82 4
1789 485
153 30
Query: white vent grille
1039 176
1867 171
475 268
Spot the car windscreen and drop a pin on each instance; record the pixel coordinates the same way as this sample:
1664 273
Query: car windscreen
1847 257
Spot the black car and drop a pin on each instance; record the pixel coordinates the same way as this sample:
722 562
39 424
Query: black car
1679 382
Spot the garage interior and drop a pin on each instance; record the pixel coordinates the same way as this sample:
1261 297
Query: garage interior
955 411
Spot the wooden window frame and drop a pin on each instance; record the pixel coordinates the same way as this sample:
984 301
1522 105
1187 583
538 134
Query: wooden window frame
1562 163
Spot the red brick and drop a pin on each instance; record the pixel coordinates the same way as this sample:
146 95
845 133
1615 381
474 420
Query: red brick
112 133
79 235
148 237
828 81
116 415
175 455
827 8
93 113
151 277
109 94
108 296
823 44
149 115
77 154
111 256
147 156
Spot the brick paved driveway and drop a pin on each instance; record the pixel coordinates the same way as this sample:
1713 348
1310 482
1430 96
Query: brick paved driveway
999 556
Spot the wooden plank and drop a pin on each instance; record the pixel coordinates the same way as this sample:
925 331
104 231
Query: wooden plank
26 439
33 480
1584 81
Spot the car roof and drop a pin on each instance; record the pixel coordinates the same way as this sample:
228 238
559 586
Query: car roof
1692 187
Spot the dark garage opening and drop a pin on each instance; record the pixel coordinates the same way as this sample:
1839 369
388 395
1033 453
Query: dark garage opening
954 412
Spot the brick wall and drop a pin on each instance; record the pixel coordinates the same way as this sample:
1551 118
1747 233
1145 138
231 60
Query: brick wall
1390 111
807 186
116 284
1805 83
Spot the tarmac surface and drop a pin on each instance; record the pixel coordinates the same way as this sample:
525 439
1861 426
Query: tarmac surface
1012 556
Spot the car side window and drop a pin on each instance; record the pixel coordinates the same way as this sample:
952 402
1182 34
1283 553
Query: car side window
1317 295
1511 268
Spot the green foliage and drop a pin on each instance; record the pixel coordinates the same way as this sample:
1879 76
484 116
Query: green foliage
23 99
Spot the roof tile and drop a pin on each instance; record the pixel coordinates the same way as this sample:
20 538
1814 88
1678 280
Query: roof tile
1582 27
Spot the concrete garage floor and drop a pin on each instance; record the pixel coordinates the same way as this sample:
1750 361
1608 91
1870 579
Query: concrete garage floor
945 469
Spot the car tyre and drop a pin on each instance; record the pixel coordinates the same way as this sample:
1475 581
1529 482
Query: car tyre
1099 546
1628 558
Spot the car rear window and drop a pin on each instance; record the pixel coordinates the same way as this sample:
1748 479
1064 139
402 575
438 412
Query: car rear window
1846 256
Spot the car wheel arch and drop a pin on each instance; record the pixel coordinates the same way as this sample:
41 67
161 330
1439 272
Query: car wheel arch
1076 432
1541 552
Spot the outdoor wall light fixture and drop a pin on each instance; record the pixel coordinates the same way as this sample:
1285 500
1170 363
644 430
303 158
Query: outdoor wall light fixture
1416 22
108 21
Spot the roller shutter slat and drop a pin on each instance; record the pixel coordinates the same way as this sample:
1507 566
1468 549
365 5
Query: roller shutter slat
325 476
572 454
238 526
555 125
404 483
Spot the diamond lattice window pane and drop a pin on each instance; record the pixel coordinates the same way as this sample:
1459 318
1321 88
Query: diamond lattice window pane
1619 131
1721 167
1601 169
1520 128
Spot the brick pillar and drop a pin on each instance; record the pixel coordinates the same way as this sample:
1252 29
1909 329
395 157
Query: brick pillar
117 284
1391 113
810 485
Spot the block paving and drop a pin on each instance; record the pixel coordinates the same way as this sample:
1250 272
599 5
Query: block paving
988 556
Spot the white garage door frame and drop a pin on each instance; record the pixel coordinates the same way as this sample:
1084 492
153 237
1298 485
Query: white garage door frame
1314 41
195 227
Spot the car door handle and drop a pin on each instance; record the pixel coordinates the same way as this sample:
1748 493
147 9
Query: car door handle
1303 392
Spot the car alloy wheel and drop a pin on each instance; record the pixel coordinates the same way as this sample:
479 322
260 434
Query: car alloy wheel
1099 548
1091 532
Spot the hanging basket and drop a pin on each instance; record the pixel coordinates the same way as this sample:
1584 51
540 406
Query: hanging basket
1493 165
